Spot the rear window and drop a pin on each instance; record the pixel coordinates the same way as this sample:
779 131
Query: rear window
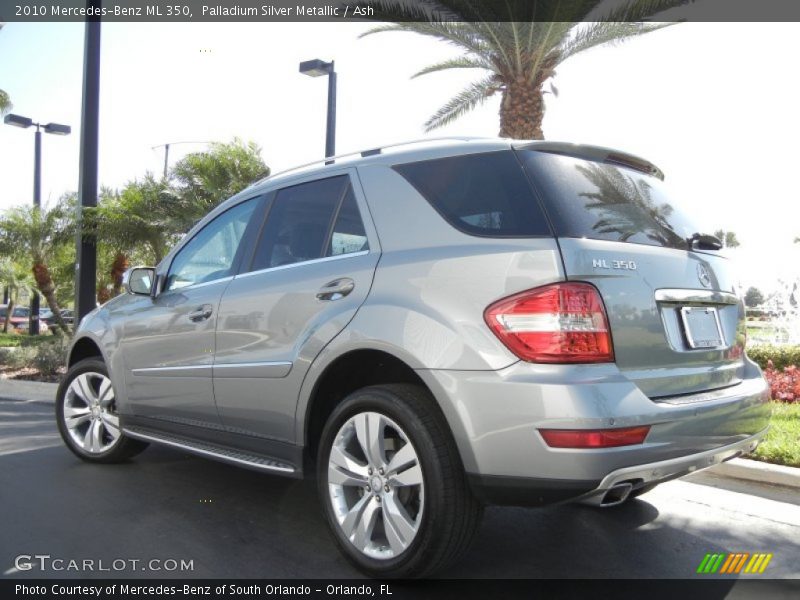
481 194
606 202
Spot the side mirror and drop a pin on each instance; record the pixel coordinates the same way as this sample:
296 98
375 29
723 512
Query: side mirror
139 280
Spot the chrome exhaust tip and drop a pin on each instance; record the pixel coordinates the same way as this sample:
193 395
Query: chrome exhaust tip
616 494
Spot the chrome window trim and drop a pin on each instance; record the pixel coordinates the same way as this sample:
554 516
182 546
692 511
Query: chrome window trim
195 286
300 264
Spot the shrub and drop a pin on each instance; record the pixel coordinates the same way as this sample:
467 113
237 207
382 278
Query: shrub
780 356
47 357
784 385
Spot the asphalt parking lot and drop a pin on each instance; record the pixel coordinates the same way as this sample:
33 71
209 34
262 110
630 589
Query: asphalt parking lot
231 522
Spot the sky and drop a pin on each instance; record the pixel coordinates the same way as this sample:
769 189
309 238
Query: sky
714 105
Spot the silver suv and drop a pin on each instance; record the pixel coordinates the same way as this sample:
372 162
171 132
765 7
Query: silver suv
430 328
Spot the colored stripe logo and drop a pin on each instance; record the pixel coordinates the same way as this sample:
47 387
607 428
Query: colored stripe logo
734 563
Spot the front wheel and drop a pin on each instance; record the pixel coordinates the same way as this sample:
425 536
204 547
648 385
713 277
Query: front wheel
392 484
86 413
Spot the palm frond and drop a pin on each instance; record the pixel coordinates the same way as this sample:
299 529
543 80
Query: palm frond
634 10
463 62
592 35
473 95
458 34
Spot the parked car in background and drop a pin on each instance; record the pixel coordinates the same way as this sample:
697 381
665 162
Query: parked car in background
20 320
427 329
47 316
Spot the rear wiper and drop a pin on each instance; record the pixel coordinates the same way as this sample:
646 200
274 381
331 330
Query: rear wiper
704 241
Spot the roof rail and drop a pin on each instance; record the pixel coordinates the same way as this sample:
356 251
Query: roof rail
368 152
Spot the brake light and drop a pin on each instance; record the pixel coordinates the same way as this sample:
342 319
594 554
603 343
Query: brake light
597 438
558 323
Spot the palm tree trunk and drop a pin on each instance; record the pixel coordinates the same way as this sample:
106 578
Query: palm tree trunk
522 111
118 268
48 289
9 312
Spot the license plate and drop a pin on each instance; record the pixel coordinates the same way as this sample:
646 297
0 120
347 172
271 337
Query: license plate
702 327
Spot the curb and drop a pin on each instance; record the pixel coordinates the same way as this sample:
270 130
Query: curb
761 472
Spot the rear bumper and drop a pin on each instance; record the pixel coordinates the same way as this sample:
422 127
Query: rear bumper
496 416
642 475
521 491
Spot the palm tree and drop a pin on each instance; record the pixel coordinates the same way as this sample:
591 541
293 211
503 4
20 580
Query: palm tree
518 44
32 233
16 280
204 179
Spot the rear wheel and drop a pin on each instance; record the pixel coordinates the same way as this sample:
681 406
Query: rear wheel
392 484
86 413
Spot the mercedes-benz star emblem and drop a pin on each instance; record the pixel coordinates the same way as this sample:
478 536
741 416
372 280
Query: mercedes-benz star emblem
703 276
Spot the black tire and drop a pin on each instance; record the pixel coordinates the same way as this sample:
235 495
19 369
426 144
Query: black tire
119 451
451 514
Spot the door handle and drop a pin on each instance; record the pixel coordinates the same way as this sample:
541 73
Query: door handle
201 313
336 289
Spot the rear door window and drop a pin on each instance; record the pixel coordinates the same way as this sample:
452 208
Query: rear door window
588 199
483 194
310 221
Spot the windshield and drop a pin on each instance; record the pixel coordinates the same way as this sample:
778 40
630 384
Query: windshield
586 199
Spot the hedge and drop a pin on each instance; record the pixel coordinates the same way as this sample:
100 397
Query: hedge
781 356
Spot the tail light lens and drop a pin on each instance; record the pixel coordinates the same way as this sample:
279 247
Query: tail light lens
558 323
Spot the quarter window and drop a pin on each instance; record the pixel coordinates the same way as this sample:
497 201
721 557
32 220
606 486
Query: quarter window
483 194
210 254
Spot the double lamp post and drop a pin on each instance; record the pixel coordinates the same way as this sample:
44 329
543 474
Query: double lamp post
55 129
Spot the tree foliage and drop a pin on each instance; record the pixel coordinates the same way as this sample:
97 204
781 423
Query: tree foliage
753 297
34 234
518 44
728 238
202 180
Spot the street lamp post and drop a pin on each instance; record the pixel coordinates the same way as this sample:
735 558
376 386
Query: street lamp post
166 152
55 129
316 68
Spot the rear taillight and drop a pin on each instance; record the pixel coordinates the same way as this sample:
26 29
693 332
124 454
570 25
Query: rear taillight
558 323
594 438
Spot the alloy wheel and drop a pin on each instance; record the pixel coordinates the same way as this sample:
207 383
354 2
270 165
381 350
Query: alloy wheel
90 413
375 485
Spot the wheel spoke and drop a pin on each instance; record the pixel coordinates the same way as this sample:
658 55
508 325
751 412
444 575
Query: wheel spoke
397 520
97 436
412 476
403 458
111 425
74 416
106 392
82 389
369 431
353 516
366 524
88 438
343 469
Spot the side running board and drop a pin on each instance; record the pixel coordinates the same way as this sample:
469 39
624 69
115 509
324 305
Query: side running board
236 457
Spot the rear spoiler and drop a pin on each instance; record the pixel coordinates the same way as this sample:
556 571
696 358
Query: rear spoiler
594 153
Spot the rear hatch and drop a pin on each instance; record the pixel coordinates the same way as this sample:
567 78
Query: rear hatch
676 323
